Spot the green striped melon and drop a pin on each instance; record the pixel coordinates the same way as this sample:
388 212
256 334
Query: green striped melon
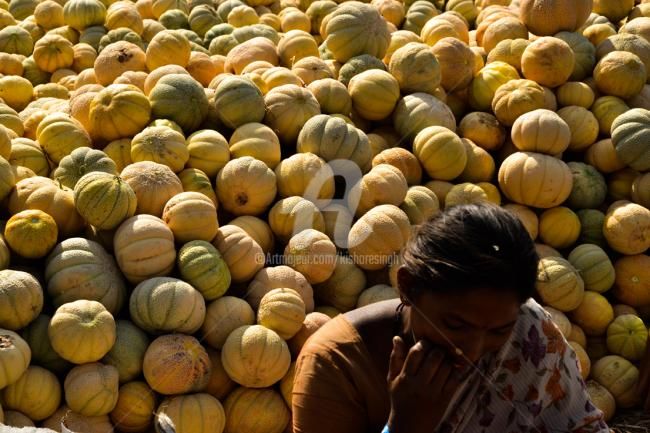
594 266
631 137
104 200
80 162
201 265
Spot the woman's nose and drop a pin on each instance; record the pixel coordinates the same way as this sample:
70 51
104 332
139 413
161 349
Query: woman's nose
473 348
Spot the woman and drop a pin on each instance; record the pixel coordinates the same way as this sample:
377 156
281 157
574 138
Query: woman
466 349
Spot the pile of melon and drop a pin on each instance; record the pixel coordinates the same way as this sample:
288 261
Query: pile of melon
189 189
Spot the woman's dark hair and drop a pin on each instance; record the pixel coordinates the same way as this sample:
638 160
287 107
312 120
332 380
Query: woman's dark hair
468 247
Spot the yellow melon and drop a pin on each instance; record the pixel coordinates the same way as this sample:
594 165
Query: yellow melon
133 412
92 389
36 394
82 331
176 364
283 311
256 411
191 216
255 356
144 248
619 376
594 314
246 186
242 254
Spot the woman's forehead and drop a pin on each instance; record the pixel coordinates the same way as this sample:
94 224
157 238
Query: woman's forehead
481 307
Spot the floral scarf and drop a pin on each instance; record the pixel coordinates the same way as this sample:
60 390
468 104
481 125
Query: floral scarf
531 385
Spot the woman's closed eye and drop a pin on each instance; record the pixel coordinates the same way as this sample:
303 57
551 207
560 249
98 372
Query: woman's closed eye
459 326
454 326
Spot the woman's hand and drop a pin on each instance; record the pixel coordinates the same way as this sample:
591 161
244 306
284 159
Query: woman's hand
421 384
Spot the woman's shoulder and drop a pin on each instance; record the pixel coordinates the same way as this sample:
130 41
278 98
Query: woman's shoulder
350 333
334 336
379 317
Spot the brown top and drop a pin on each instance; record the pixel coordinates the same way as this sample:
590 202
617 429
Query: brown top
339 386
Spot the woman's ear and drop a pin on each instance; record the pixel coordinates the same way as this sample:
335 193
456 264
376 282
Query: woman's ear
404 285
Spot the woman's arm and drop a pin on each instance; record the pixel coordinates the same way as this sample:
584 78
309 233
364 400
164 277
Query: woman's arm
324 397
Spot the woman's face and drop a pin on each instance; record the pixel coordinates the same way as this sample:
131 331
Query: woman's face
477 321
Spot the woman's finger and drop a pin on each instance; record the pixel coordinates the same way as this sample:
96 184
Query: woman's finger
452 381
415 357
431 364
397 358
442 374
